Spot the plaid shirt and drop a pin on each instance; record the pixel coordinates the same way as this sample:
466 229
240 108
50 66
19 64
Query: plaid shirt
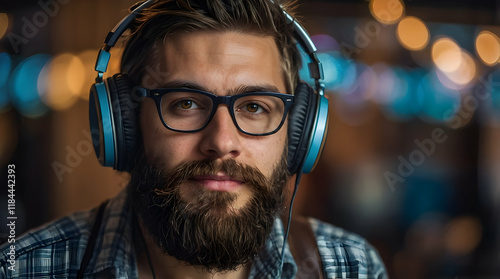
57 249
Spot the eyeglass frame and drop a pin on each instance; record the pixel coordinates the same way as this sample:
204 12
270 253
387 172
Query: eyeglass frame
157 94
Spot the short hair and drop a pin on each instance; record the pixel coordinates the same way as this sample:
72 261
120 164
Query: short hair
163 18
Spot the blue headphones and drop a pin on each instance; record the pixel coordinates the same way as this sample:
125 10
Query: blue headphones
113 114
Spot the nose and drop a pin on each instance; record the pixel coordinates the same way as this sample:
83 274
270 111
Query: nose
221 138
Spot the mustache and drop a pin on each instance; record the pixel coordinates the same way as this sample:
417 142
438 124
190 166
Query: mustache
190 170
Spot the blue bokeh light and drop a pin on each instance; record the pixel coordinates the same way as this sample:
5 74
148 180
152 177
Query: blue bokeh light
436 103
494 88
333 64
324 42
349 76
401 104
23 86
362 84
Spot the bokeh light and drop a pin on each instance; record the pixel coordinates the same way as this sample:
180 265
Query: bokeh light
462 235
352 103
23 86
350 75
412 33
387 11
362 89
463 75
114 61
64 78
446 54
395 92
5 69
386 82
324 42
436 103
333 68
88 58
4 24
492 91
488 47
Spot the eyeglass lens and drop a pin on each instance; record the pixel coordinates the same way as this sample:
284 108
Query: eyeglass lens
189 111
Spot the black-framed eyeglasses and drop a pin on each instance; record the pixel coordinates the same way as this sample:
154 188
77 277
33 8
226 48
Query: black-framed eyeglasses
190 110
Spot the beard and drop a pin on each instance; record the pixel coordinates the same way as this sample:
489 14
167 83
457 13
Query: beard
207 231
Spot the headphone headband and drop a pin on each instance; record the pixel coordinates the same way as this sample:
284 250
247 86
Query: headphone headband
301 35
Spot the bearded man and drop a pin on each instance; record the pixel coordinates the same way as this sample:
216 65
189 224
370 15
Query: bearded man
210 157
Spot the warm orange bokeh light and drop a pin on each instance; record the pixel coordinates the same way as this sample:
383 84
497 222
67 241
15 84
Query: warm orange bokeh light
488 47
413 33
463 75
88 58
387 11
114 61
462 235
465 72
4 24
446 54
64 81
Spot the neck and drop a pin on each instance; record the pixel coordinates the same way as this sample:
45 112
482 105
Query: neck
166 266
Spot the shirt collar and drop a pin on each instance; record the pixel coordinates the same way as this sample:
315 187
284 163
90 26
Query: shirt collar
114 251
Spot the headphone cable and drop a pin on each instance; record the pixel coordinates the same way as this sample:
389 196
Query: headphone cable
145 246
287 230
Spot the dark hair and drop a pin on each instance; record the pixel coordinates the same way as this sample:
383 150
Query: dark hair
165 17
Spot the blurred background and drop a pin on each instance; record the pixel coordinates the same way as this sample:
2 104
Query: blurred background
412 161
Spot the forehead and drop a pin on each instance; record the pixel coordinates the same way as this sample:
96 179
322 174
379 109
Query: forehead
225 57
227 43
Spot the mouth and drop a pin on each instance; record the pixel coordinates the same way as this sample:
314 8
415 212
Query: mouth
218 182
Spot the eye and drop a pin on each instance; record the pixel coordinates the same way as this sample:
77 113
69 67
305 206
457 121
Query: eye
187 104
254 108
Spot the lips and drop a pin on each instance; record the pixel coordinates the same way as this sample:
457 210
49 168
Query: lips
219 182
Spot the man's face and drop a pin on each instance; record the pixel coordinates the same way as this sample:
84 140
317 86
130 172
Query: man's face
209 198
222 63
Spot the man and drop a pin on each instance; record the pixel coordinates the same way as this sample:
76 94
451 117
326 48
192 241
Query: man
208 181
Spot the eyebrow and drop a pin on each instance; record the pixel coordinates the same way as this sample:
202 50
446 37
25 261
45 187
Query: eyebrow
238 90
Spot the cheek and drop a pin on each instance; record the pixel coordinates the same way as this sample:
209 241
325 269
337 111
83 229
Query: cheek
270 152
169 147
149 122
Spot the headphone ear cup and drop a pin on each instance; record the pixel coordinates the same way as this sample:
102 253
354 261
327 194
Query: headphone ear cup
124 110
101 124
301 121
